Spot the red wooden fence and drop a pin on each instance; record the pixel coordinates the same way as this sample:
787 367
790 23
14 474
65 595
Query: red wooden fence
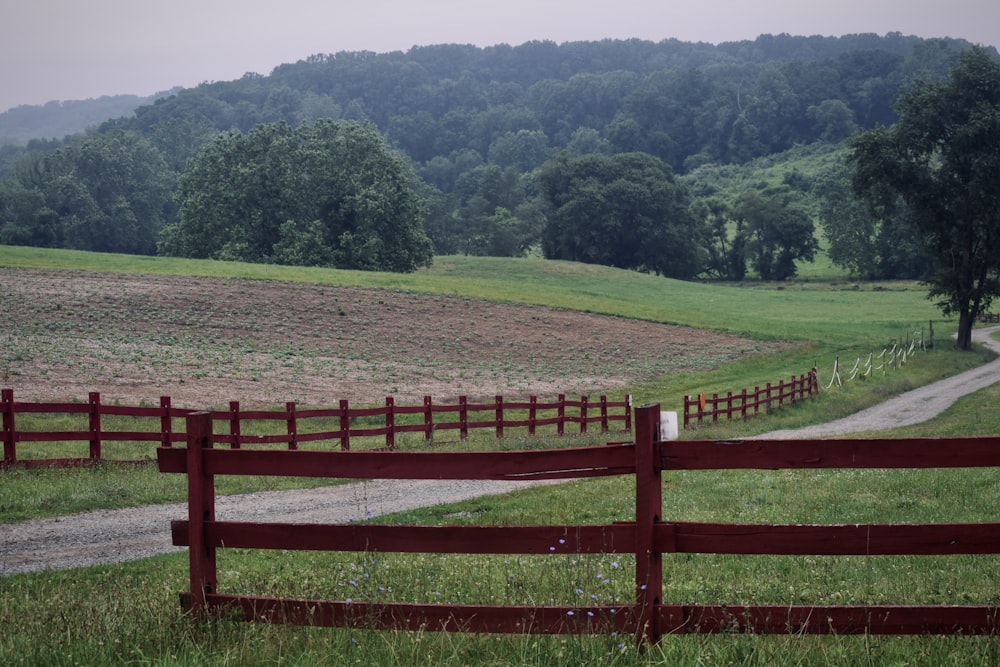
648 537
747 404
294 426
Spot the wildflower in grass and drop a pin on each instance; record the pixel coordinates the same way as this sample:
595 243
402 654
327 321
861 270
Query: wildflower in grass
353 583
570 613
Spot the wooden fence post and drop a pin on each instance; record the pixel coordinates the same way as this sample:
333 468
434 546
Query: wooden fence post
648 510
463 417
166 423
9 433
561 428
390 423
428 419
94 398
628 413
583 414
235 426
201 509
604 413
499 415
293 427
531 415
345 426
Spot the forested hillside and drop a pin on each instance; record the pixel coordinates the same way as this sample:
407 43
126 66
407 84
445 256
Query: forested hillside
56 119
492 140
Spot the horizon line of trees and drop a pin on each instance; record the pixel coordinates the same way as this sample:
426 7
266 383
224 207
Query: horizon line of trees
488 136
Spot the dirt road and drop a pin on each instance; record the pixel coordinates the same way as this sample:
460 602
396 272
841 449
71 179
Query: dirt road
913 407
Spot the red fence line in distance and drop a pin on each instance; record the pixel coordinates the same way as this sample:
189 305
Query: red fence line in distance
747 404
462 416
648 536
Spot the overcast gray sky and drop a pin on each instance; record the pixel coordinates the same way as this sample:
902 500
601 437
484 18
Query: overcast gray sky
76 49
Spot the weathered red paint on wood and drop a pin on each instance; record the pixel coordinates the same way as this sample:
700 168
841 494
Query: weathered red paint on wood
672 619
426 617
9 427
648 506
509 465
166 423
696 408
829 540
293 434
94 401
832 453
648 537
554 539
201 510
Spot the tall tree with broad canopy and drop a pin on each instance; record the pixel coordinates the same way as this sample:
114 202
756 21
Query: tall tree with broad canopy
942 160
776 234
624 210
330 193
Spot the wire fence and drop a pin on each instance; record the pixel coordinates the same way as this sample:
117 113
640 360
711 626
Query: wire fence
891 358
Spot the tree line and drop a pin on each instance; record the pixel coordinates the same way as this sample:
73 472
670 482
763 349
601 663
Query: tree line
584 150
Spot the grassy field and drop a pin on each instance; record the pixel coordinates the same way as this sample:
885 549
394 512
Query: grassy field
128 614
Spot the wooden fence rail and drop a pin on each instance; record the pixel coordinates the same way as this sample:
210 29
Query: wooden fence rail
295 426
649 536
746 404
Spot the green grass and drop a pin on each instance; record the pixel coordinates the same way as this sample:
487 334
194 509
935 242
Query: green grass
128 613
833 313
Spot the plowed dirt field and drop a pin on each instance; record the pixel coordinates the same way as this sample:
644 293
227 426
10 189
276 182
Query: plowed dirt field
205 342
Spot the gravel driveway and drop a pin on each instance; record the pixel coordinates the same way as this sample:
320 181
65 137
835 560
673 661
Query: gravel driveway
111 536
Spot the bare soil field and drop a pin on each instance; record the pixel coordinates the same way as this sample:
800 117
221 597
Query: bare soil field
205 342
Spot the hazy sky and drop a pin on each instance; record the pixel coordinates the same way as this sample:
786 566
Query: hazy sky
76 49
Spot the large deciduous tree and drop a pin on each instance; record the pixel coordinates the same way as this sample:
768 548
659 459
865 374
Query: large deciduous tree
941 159
777 234
105 192
330 193
624 210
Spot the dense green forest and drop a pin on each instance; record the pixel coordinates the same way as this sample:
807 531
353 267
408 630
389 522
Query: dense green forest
507 149
55 119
